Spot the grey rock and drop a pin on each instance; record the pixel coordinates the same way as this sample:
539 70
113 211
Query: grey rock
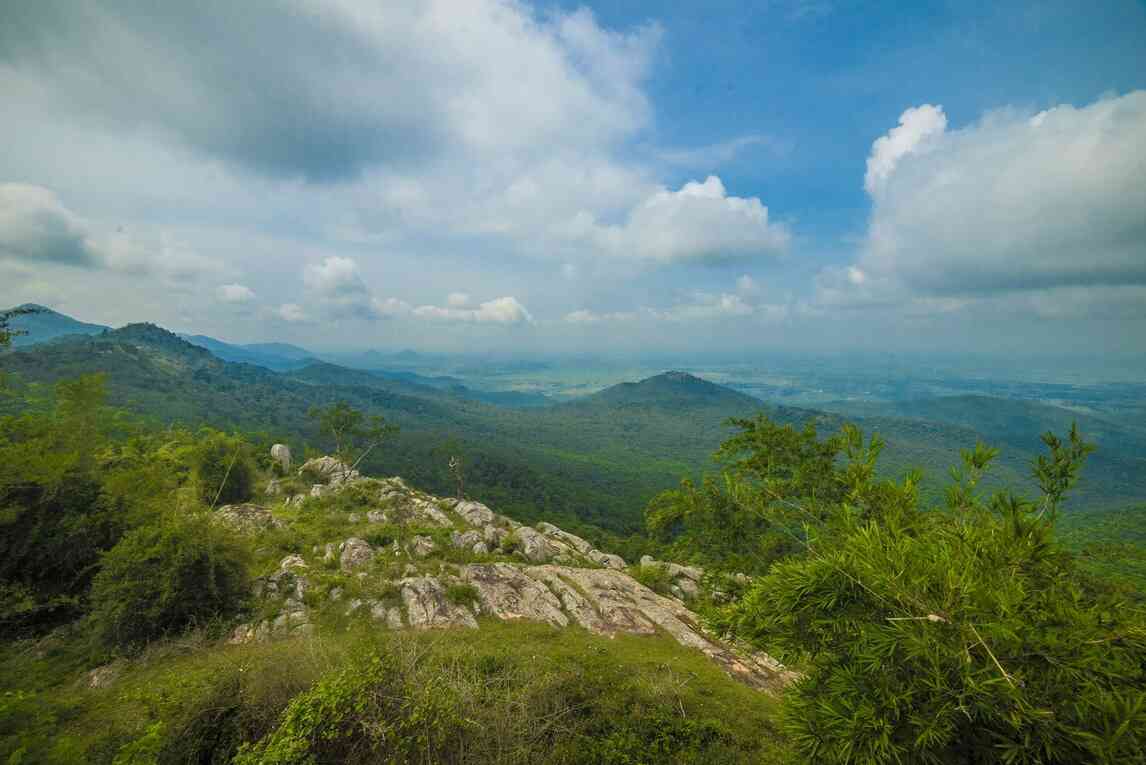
608 560
466 540
421 546
506 592
427 605
332 470
354 518
376 516
571 540
474 513
354 553
280 453
534 546
391 617
247 518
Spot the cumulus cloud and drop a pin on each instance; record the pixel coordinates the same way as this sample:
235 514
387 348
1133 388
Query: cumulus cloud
234 293
36 227
457 300
916 127
1014 203
503 310
698 221
488 73
336 287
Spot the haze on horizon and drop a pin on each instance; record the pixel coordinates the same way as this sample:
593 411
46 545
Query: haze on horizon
562 177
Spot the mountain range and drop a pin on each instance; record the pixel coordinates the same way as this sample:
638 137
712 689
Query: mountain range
595 460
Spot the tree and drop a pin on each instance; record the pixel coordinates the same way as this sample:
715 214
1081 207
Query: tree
351 431
164 577
223 468
6 331
959 634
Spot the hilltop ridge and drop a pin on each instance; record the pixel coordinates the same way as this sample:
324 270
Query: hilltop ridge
399 557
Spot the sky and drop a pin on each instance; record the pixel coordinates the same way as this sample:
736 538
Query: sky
622 176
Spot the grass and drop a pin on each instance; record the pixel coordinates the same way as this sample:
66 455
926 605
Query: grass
507 693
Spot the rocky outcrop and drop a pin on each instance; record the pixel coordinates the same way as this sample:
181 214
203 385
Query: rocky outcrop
684 581
329 470
280 453
247 518
354 553
428 605
542 574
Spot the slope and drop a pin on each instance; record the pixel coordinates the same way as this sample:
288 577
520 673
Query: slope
43 324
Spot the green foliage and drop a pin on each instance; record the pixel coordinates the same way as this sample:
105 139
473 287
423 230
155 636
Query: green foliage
656 578
960 634
463 594
353 433
165 577
223 469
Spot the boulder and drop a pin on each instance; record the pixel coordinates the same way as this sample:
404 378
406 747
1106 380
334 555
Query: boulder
391 617
533 545
608 560
376 516
474 513
247 518
421 546
332 470
354 553
427 605
571 540
280 453
467 540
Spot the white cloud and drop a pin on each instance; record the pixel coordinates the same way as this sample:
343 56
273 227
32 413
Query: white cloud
585 316
717 154
698 221
234 293
916 127
1051 205
36 227
457 300
705 306
292 312
503 310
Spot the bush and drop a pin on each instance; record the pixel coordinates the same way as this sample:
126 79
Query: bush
224 469
161 579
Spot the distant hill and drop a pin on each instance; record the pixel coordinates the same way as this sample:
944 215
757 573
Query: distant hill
281 350
1117 468
270 355
44 325
594 460
670 390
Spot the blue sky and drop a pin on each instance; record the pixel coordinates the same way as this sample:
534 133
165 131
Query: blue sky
566 176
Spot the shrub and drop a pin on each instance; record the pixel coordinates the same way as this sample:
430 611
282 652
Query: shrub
656 577
162 578
224 469
462 594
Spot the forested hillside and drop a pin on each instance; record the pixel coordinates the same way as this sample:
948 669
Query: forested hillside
596 460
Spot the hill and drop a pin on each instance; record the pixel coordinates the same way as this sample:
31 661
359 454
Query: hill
266 355
44 324
589 463
1111 478
670 390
